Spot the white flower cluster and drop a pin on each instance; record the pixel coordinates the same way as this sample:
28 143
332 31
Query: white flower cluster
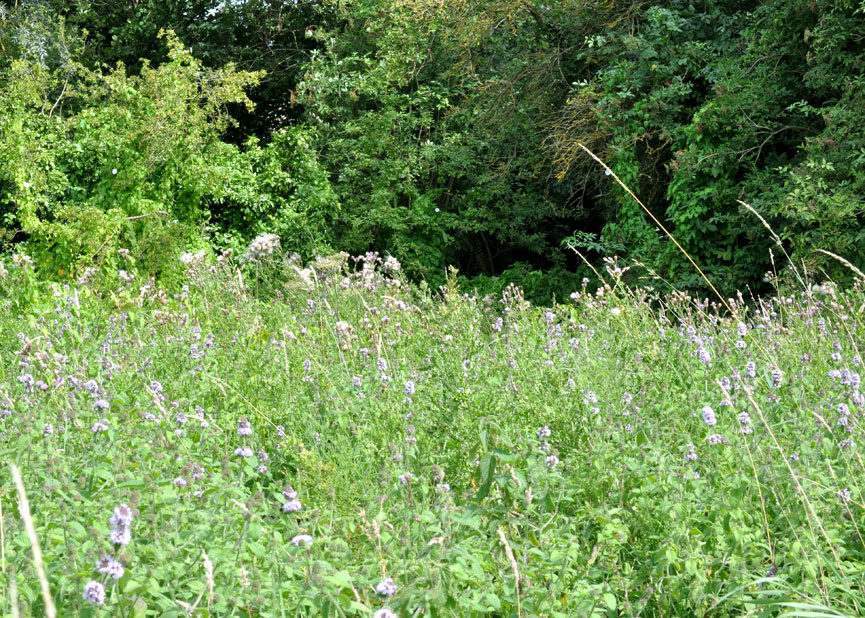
264 244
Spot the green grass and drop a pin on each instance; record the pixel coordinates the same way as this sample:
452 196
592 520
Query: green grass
610 518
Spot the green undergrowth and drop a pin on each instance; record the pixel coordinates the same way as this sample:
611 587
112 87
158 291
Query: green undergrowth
617 454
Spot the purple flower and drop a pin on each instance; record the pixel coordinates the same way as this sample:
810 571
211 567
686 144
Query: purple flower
386 587
717 438
301 539
703 355
443 488
709 416
243 451
111 567
406 478
776 378
544 432
552 461
292 506
121 536
101 404
180 482
94 593
751 369
122 516
244 428
409 388
384 612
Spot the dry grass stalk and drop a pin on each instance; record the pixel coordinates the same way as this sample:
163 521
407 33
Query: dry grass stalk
843 261
24 507
662 228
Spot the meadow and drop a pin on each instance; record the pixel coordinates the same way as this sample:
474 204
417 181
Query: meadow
279 439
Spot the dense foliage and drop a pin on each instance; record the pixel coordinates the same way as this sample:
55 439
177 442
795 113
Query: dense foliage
272 440
446 132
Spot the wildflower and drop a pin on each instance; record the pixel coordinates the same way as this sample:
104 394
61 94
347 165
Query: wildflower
409 388
716 438
122 516
741 344
794 456
100 426
692 453
289 492
709 416
265 244
843 495
386 587
243 451
846 443
751 369
292 506
180 482
772 572
382 364
443 488
703 355
552 461
244 428
94 593
48 430
742 329
406 478
544 432
391 264
776 378
111 567
301 539
121 536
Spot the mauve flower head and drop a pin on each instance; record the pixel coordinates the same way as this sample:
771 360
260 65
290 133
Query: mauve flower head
703 355
180 482
751 369
552 461
409 388
406 478
386 587
443 488
776 377
292 506
709 416
384 612
101 404
111 567
243 451
717 438
122 516
121 535
289 492
244 428
544 432
94 592
843 495
301 539
382 364
742 329
100 426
